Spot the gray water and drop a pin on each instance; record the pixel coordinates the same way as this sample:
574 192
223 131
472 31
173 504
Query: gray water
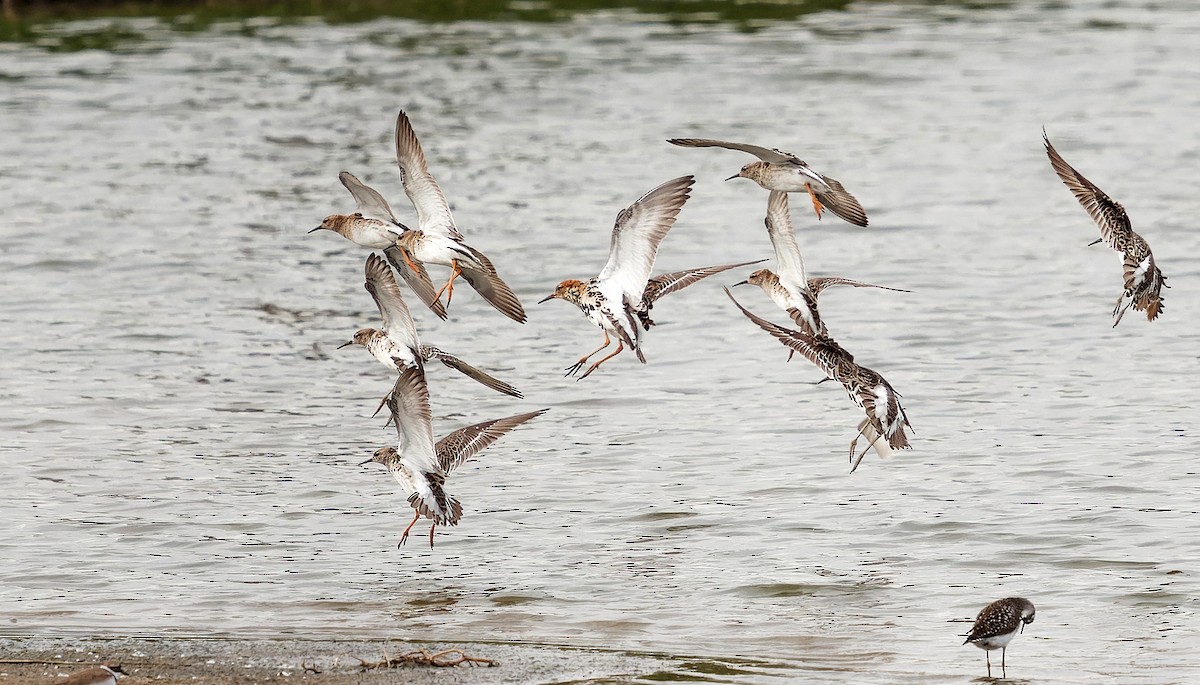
180 437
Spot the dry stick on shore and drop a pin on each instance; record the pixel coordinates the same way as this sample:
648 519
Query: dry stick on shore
422 657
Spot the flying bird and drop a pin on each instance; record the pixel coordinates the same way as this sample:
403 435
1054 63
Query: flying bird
1144 281
422 467
884 425
613 299
396 344
373 225
436 240
783 171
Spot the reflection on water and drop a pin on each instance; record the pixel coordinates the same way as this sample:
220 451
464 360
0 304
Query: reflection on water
180 432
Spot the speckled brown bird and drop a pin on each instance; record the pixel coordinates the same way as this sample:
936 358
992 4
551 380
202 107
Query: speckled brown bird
997 624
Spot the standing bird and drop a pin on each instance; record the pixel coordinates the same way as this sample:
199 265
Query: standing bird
884 425
997 624
373 225
613 299
436 239
420 466
1143 279
783 171
397 344
104 674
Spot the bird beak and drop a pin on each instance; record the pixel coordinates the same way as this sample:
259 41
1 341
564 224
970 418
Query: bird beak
741 283
316 229
367 461
345 344
547 298
737 175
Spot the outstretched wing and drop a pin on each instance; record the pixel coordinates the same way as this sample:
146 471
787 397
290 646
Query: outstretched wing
409 404
397 321
492 288
636 235
417 278
368 202
818 285
783 239
431 352
837 200
822 352
1108 214
457 447
433 212
665 284
766 154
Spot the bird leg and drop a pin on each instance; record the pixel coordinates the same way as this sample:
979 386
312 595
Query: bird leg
1121 310
404 536
593 367
449 287
574 368
987 654
380 407
431 527
853 443
817 206
1003 669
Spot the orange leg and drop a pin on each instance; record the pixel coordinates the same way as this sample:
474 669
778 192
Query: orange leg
449 287
593 367
404 536
574 368
816 203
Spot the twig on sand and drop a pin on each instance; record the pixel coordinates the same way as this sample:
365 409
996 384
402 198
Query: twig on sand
422 657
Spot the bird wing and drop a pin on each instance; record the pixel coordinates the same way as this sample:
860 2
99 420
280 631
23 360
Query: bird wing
417 278
368 202
665 284
491 287
433 212
766 154
638 230
409 404
817 285
822 352
783 239
1108 214
397 321
463 443
842 203
431 352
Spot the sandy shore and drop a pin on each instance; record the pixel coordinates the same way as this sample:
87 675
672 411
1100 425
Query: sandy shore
42 661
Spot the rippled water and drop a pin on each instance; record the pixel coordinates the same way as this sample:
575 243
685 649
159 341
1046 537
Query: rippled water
180 436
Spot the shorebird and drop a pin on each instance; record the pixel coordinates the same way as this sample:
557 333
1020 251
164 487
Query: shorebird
373 225
1143 279
613 299
420 466
396 345
783 171
104 674
436 239
884 425
789 287
997 624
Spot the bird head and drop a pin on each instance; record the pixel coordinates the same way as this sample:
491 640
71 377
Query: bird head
570 290
338 223
361 337
382 456
751 171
